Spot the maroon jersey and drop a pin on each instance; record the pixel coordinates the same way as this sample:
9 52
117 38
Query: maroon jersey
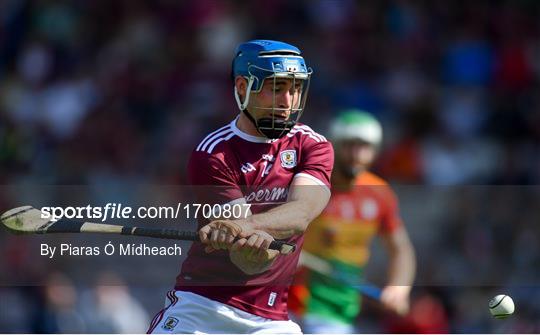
228 165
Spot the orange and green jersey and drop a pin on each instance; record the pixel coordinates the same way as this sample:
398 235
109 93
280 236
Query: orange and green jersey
342 235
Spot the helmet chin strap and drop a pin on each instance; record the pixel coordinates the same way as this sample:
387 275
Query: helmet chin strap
252 119
243 105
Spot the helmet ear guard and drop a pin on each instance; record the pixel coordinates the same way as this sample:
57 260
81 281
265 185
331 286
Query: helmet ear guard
242 105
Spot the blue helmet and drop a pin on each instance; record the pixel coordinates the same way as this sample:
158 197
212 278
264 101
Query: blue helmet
258 60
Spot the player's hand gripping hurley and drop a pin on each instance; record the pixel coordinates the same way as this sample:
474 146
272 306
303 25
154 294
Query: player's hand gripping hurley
28 220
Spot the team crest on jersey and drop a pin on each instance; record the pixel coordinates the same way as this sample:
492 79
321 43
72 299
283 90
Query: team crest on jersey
288 158
369 209
170 323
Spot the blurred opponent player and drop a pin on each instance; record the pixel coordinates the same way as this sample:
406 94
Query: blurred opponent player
282 168
362 206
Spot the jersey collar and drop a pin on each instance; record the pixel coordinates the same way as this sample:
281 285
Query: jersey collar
248 137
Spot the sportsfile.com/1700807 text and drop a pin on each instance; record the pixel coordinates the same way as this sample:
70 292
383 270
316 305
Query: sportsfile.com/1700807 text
119 211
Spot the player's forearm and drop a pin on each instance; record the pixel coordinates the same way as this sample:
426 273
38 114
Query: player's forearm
401 258
284 221
250 266
306 201
402 266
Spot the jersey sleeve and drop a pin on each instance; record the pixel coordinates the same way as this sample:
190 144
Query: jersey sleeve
317 162
212 179
391 218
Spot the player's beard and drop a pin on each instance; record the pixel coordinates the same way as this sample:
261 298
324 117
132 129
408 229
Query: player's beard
349 172
272 128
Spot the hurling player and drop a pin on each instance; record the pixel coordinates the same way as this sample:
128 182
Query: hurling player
232 282
362 206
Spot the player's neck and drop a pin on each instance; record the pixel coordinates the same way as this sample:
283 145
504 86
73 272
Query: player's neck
246 126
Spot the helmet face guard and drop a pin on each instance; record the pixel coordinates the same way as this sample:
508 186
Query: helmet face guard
273 126
282 61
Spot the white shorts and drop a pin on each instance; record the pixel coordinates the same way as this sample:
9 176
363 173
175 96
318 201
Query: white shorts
190 313
314 324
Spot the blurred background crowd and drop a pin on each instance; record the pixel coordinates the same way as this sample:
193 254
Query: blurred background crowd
119 92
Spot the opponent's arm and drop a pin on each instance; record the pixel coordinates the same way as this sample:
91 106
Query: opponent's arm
401 270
